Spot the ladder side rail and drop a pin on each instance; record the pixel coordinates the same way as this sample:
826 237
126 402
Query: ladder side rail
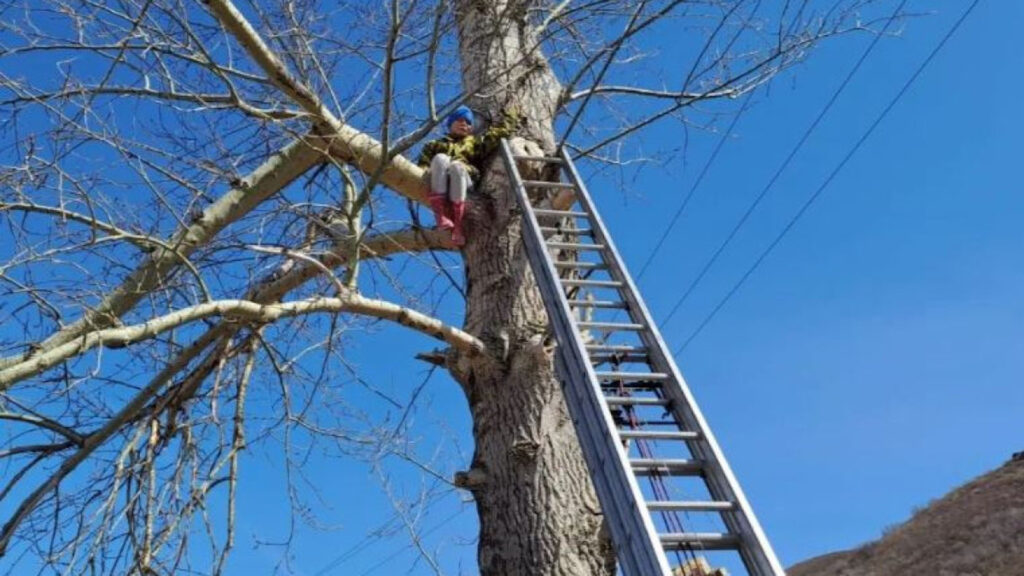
586 412
632 556
633 533
756 550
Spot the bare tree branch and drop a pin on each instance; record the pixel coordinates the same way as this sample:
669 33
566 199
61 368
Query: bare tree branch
239 310
266 180
346 143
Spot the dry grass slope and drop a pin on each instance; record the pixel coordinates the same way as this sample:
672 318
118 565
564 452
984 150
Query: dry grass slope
975 530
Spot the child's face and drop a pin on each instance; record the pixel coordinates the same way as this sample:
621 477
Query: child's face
461 128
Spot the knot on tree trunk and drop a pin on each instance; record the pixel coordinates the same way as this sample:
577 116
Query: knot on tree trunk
472 479
525 451
540 345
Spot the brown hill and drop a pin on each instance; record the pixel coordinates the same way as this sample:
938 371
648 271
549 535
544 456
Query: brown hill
975 530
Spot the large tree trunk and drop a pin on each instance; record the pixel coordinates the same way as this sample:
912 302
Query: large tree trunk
538 512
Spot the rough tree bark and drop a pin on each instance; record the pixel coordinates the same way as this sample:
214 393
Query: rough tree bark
537 508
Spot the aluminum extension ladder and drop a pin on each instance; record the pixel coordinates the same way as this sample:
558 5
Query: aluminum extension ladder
634 415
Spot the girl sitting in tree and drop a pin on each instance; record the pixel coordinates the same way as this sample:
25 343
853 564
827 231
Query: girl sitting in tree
454 163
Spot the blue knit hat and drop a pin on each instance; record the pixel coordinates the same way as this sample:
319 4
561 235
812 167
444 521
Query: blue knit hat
462 112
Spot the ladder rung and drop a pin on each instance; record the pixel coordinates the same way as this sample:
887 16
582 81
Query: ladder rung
597 359
578 231
672 423
593 283
616 348
560 213
635 401
548 159
631 376
699 541
573 264
574 246
611 326
644 386
620 357
546 184
691 506
673 466
658 435
597 304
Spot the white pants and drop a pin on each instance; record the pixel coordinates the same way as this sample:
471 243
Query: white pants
449 177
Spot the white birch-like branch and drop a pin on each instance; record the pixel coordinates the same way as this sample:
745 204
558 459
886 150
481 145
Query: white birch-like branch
347 144
277 172
241 310
380 245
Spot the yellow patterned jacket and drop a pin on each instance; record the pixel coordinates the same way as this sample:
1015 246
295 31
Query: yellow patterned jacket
471 150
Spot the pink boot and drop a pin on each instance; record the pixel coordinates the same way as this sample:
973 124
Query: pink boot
458 235
439 204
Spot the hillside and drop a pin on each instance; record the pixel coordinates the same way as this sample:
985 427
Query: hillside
975 530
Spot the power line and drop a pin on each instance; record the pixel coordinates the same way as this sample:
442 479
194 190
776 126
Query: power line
833 174
614 49
721 141
356 548
400 551
785 163
680 100
696 183
718 147
372 536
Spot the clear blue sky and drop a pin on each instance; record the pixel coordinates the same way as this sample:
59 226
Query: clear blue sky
871 364
874 361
